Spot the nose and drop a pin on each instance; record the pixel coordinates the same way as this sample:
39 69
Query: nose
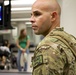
32 20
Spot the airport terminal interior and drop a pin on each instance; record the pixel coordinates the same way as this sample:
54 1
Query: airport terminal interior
14 16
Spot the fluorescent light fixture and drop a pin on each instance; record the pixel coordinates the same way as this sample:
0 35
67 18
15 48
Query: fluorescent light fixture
28 23
22 12
17 9
21 19
20 2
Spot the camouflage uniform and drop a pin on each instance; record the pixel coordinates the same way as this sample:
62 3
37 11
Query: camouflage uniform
54 56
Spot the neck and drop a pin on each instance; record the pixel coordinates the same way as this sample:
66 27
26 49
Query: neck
54 25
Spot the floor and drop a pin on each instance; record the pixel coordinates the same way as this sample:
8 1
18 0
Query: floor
15 73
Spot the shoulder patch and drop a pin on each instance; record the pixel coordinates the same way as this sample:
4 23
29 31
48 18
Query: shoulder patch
44 47
47 46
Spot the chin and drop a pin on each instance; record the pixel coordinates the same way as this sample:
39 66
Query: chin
37 33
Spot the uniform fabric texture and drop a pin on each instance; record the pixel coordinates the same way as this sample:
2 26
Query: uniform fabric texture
55 54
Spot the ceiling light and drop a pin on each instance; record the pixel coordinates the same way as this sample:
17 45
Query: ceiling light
21 19
28 23
16 9
19 2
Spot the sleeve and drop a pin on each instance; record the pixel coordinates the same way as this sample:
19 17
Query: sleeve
56 61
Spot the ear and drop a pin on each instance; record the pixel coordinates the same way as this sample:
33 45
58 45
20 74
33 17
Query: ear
53 16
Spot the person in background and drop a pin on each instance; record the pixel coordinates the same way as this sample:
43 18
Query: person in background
6 43
5 53
22 44
56 53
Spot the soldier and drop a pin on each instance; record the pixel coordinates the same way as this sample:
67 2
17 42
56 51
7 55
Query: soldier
55 54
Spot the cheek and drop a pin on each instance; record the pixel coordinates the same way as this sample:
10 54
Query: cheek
45 23
41 21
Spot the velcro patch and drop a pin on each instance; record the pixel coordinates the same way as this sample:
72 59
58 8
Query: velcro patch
37 61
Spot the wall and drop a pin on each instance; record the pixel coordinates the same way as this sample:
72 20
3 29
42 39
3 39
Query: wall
68 17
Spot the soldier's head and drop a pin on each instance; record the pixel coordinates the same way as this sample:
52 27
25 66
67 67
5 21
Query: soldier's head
45 16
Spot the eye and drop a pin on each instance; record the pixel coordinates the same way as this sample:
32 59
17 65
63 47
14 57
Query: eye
37 13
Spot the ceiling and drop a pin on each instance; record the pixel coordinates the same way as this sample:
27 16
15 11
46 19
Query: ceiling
20 10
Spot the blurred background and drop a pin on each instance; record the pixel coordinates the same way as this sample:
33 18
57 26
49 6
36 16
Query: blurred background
15 15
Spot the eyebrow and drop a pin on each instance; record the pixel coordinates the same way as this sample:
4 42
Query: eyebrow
34 12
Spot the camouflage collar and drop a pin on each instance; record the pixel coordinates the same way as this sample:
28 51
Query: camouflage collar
56 29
